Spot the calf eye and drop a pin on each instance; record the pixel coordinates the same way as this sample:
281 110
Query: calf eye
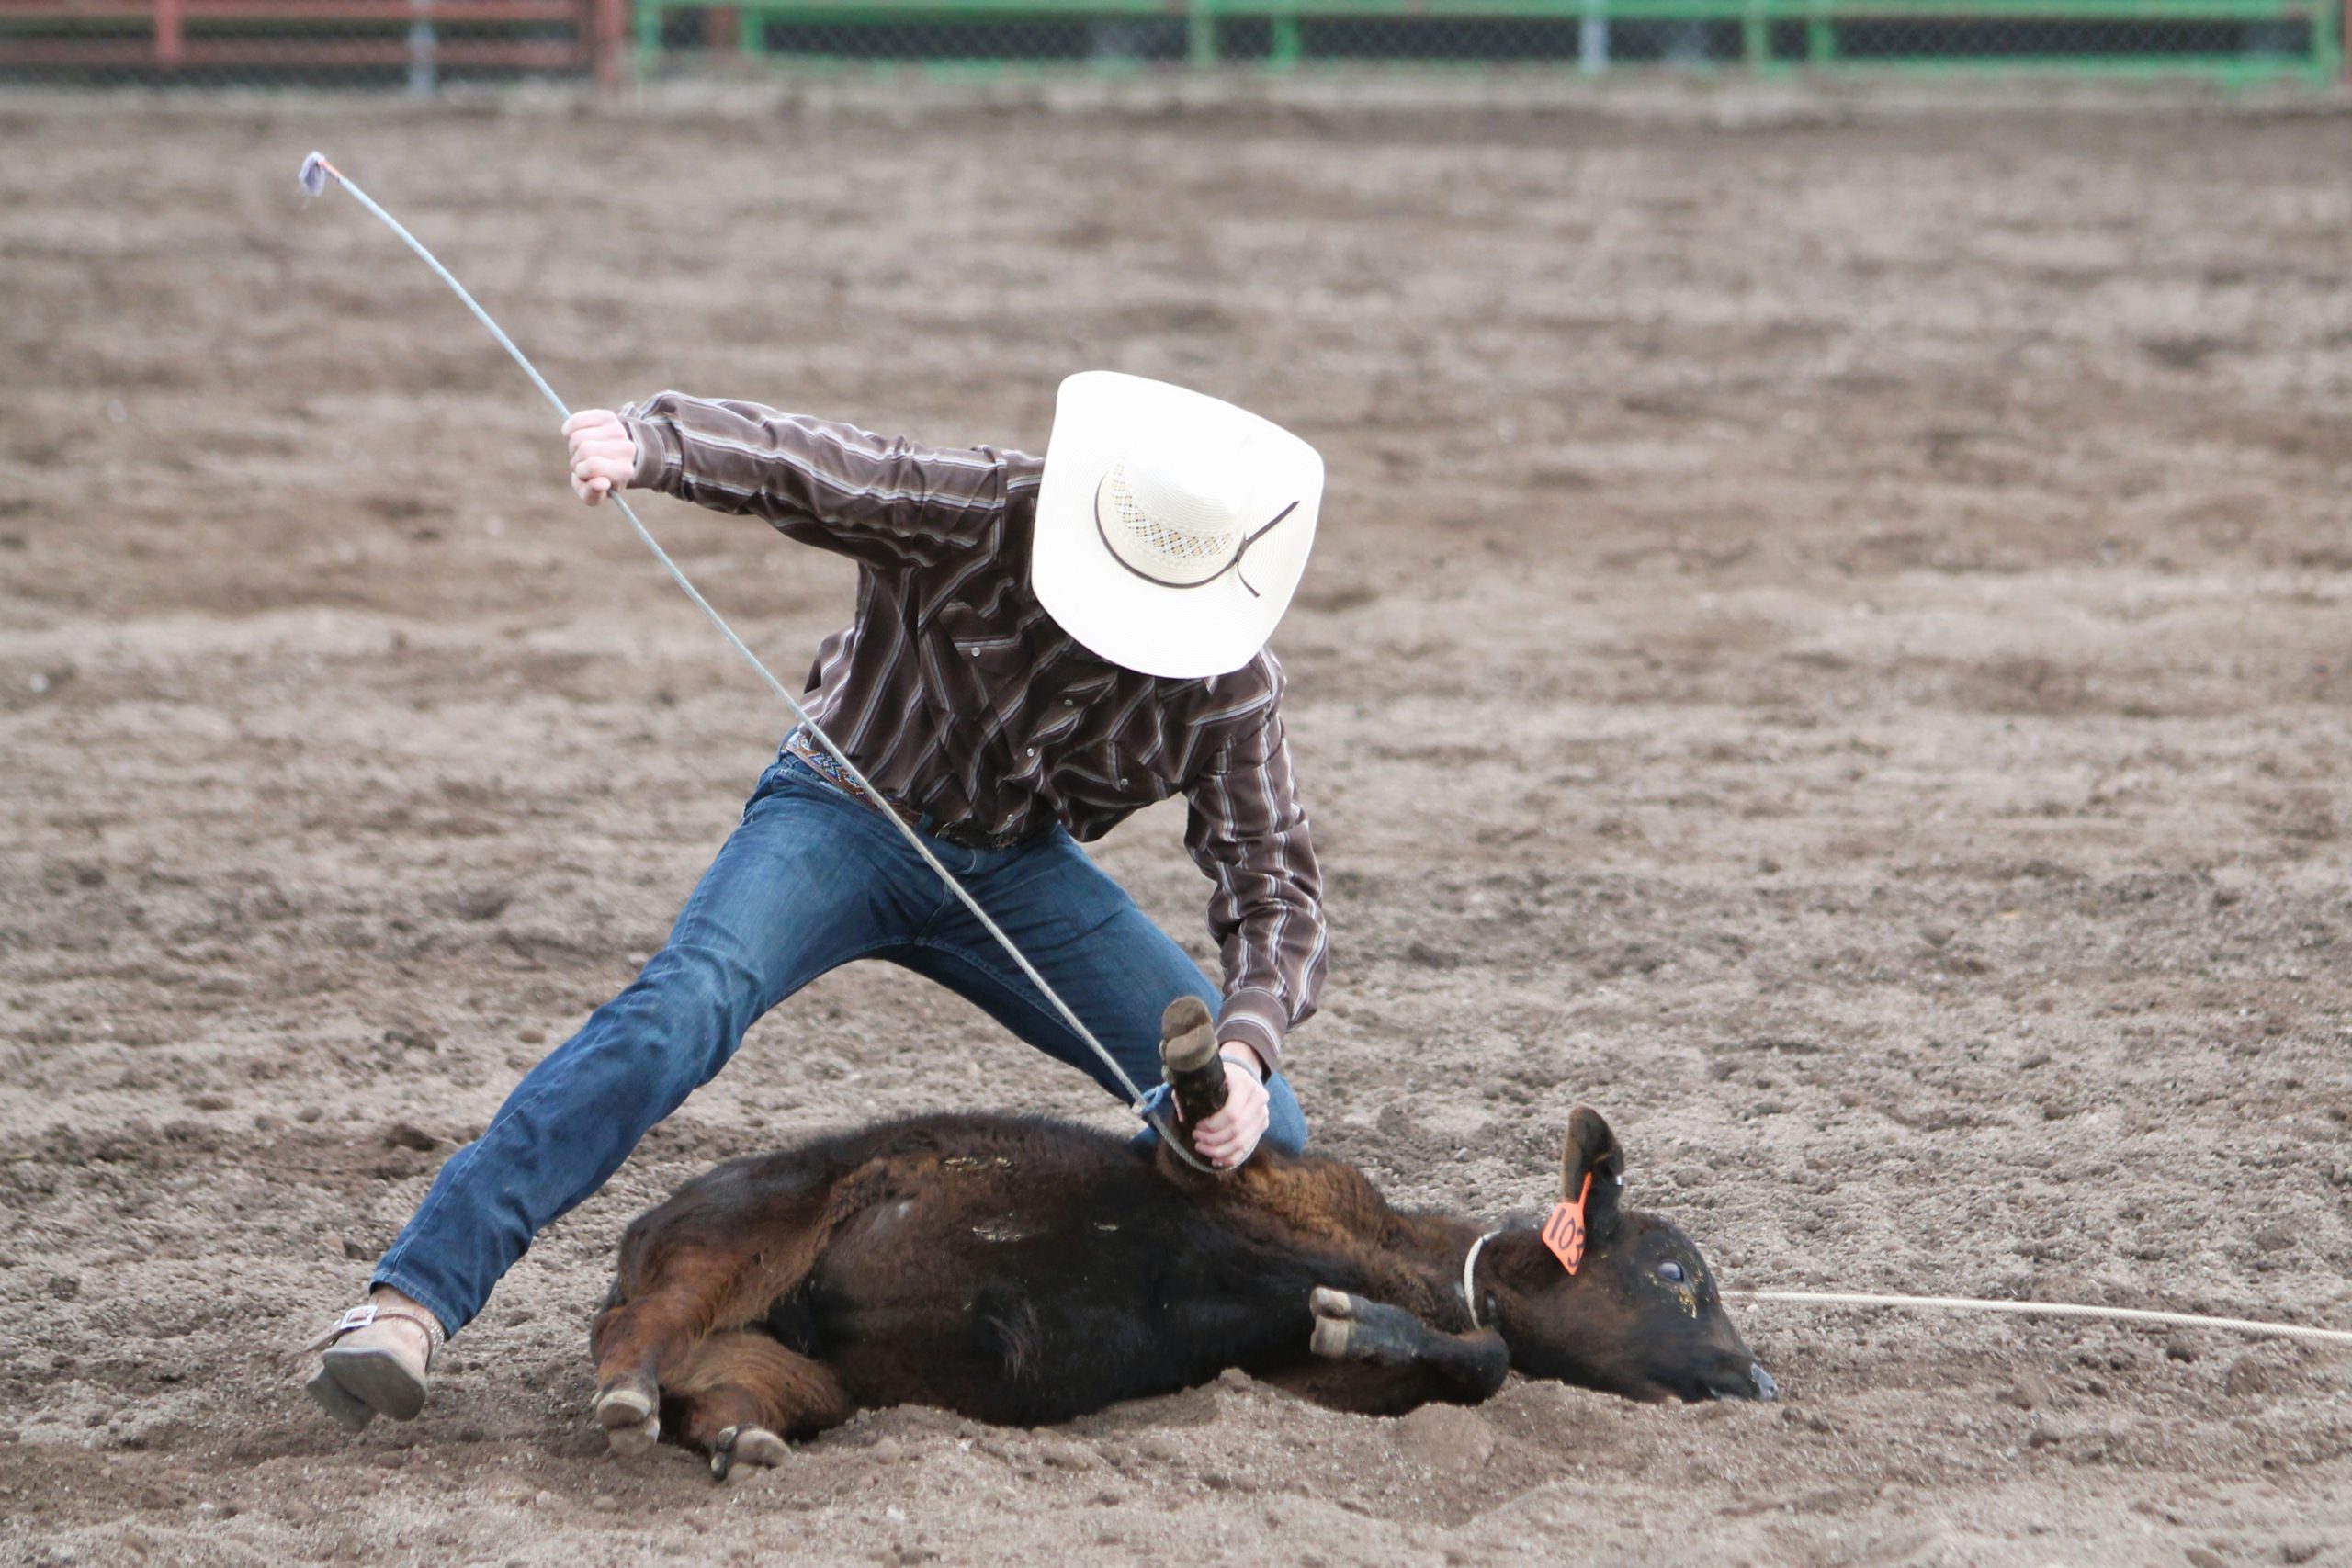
1670 1269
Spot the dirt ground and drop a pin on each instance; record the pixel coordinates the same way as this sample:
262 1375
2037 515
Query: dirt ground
1828 642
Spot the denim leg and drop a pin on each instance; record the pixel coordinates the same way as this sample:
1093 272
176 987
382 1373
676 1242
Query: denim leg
802 886
1100 953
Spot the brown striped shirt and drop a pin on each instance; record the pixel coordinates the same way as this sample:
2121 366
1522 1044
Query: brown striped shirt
953 690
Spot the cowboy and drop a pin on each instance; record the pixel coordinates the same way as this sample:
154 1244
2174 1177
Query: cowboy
1040 650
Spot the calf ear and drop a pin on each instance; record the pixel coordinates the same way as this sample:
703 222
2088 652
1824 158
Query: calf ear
1592 1151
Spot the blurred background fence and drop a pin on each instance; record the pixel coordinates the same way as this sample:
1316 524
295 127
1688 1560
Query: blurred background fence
419 44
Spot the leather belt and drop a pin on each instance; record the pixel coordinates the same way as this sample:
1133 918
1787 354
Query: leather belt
963 835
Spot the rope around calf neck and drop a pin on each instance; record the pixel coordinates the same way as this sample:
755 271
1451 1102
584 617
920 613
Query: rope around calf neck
2050 1309
316 170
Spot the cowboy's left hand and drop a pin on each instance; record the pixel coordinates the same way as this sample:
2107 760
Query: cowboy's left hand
1227 1138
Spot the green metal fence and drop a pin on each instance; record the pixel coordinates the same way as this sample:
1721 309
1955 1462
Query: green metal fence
2231 40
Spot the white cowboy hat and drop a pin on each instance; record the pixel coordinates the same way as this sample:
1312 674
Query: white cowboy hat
1171 528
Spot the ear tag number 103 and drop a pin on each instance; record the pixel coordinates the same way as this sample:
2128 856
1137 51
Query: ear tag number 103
1564 1230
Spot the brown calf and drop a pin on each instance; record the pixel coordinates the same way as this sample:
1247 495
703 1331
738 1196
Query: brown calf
1027 1271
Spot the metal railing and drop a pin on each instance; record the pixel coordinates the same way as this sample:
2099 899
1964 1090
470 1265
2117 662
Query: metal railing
2235 40
415 42
422 43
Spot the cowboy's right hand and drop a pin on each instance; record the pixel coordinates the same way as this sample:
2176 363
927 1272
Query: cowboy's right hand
604 457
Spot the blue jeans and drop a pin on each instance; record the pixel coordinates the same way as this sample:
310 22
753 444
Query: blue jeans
811 880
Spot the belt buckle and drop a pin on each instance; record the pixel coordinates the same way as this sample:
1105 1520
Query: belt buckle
967 836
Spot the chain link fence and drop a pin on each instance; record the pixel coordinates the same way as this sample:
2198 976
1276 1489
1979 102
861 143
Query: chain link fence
419 44
2231 38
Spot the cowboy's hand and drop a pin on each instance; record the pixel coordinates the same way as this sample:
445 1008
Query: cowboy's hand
603 456
1225 1139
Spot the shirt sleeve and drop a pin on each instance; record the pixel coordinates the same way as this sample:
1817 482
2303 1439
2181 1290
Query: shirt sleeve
1247 832
881 500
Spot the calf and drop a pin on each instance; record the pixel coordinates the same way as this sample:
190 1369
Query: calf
1025 1272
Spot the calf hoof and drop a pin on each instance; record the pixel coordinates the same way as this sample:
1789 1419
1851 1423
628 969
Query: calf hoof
1332 1311
632 1424
1350 1328
745 1445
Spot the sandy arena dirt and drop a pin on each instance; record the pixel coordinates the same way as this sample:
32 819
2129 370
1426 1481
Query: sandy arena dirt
1830 643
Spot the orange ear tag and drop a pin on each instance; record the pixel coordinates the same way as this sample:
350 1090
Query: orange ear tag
1564 1230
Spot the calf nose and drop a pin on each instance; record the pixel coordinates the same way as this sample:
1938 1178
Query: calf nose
1750 1382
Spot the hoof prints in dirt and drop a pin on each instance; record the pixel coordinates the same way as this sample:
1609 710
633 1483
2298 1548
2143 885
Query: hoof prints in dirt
1904 789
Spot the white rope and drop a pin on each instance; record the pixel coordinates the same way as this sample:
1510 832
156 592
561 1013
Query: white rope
2049 1309
316 170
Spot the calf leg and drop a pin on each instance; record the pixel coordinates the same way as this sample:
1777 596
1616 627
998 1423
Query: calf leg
640 1343
741 1394
696 1265
1382 1361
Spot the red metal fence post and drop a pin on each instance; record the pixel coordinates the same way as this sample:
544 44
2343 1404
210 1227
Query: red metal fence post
609 35
171 35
